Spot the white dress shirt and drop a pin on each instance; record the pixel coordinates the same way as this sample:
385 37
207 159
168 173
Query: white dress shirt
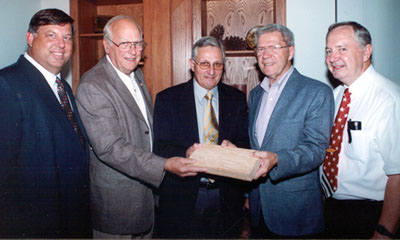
374 151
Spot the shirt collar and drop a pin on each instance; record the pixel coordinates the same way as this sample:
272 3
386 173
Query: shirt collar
265 83
49 76
200 92
121 74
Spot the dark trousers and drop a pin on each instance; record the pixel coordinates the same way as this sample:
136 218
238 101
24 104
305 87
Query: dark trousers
351 218
263 232
206 219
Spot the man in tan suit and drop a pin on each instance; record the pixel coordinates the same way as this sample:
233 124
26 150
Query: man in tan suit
116 110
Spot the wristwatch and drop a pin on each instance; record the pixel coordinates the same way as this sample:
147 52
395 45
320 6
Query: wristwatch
383 231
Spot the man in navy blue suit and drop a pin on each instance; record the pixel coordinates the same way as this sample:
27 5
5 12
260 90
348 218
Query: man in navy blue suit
200 206
43 145
290 118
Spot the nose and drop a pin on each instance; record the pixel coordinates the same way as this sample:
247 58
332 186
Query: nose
267 53
61 42
333 56
132 50
211 70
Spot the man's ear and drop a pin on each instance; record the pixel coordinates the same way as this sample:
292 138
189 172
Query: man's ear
29 38
191 62
106 46
367 51
291 52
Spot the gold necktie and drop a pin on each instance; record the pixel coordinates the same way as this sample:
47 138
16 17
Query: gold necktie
210 124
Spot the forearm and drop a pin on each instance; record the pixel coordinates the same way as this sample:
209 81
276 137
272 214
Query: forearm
390 215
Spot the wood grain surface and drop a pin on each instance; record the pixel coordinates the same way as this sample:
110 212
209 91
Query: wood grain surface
227 161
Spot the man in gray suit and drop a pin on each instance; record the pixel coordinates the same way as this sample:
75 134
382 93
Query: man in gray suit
290 118
117 113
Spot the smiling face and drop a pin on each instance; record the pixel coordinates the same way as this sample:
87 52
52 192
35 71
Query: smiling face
123 30
51 46
345 58
274 64
207 78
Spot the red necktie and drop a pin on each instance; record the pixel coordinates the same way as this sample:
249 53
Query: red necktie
330 167
66 106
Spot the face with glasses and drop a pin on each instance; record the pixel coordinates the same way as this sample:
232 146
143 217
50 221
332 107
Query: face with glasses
125 47
208 66
273 55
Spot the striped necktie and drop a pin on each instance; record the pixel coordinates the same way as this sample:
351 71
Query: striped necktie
210 124
66 106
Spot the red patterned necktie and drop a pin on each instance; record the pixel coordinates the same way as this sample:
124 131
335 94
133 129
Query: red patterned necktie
330 167
66 106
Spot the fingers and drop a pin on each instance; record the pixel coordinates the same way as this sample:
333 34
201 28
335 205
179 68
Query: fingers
227 143
182 167
192 148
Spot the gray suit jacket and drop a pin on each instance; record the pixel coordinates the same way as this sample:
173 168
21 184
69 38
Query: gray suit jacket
298 132
123 169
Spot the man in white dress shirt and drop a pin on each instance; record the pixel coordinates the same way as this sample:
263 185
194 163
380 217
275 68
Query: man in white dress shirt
366 201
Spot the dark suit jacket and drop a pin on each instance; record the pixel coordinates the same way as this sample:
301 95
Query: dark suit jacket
43 166
175 130
123 169
298 132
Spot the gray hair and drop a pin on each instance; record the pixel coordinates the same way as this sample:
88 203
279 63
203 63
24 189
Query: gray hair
362 35
287 35
107 28
205 42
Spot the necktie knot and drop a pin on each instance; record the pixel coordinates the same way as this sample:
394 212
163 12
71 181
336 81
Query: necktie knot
209 96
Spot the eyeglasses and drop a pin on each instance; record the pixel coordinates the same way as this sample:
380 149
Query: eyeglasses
274 48
125 46
206 65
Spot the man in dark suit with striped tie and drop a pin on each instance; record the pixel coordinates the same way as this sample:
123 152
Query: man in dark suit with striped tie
43 146
202 110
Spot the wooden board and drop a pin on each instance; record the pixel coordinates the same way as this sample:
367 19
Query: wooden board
227 161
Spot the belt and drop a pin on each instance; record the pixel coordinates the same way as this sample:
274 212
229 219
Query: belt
209 185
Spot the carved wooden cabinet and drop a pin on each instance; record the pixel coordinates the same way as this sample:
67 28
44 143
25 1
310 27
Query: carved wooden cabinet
170 28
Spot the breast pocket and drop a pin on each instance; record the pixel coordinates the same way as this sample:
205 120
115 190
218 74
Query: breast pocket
361 145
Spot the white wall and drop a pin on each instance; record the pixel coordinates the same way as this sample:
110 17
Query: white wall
310 19
14 20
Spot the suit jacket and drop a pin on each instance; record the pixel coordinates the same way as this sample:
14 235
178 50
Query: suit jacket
298 132
123 169
175 130
43 165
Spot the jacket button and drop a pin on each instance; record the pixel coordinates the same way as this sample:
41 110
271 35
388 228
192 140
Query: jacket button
146 132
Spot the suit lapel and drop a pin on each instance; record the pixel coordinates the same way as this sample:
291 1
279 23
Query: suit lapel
253 114
121 88
139 78
189 106
46 94
280 110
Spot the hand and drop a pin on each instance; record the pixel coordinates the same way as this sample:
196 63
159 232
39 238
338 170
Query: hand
192 148
182 166
227 143
268 161
246 205
379 236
